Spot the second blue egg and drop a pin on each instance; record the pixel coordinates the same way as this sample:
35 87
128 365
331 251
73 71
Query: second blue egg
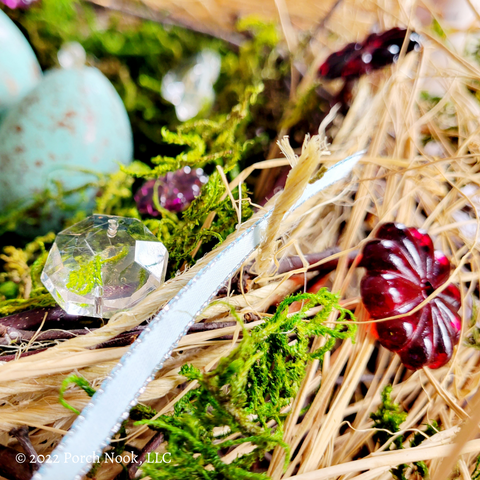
73 120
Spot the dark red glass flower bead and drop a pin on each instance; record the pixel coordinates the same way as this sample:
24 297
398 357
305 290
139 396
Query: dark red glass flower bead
377 51
403 269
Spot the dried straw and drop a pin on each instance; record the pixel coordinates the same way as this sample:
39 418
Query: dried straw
399 179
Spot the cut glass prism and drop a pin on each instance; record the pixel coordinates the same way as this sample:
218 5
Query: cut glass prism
103 265
190 87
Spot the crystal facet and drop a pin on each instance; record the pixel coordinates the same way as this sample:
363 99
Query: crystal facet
104 264
190 87
175 190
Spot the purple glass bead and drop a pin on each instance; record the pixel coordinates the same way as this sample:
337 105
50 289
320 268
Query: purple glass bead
176 190
18 3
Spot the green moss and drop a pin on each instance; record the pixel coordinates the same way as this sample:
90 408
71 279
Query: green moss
472 338
119 256
142 278
86 277
242 394
135 55
116 196
248 388
388 419
80 382
8 307
8 290
219 141
476 471
22 268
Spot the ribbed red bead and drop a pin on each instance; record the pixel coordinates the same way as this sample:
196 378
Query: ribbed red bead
375 52
402 270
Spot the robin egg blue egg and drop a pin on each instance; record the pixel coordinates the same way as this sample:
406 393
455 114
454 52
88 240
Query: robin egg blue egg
19 68
73 122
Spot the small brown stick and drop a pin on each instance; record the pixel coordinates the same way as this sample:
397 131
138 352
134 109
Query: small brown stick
13 356
204 327
21 434
11 466
152 445
295 262
121 340
18 325
32 319
251 317
9 335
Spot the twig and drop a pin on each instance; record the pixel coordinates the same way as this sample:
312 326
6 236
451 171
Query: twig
313 259
32 319
295 262
120 340
203 327
11 357
21 434
152 445
11 468
12 335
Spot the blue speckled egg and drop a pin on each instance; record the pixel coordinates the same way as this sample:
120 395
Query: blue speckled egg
19 68
72 120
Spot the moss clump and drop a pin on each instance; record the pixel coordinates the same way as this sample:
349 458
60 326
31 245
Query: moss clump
135 55
249 388
220 141
21 274
86 277
387 419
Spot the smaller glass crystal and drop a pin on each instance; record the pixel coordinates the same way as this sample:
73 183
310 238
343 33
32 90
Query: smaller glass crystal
104 264
190 87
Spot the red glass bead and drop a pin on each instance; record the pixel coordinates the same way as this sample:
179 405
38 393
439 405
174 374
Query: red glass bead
377 51
402 270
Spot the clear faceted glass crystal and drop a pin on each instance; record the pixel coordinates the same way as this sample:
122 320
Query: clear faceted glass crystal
104 264
190 87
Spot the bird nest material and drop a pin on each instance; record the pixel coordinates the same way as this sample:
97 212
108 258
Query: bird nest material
420 169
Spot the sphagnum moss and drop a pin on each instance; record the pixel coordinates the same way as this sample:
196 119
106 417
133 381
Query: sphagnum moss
248 390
